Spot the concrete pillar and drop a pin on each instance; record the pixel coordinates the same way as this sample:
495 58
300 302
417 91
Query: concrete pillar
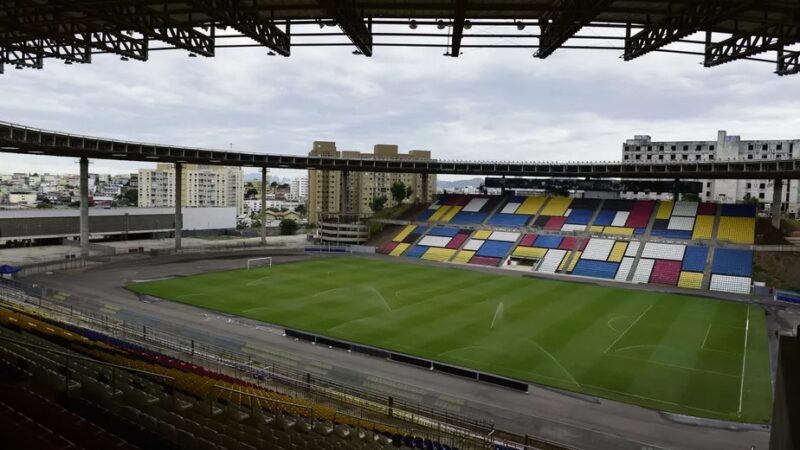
343 193
777 197
178 204
84 221
423 196
263 195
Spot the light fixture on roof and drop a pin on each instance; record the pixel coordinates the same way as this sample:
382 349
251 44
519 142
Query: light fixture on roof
412 24
321 24
124 58
440 24
192 55
520 26
357 52
68 63
271 53
467 24
18 67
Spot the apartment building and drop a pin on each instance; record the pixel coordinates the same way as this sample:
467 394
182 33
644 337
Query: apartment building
327 189
202 186
642 149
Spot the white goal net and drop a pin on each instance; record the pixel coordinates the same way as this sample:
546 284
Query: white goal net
259 262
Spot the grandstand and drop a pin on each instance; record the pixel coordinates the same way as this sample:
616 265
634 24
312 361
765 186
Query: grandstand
638 241
78 387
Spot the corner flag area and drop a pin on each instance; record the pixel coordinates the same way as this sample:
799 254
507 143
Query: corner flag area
669 352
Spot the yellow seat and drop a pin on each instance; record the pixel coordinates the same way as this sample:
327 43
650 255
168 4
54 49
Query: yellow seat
618 231
531 205
529 252
436 216
703 227
482 234
464 256
665 209
691 280
451 213
438 254
556 206
618 251
738 230
596 229
404 233
400 249
572 263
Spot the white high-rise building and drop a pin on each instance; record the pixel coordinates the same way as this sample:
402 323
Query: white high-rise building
642 149
298 188
203 186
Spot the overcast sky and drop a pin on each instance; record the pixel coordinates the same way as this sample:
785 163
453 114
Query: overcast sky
487 104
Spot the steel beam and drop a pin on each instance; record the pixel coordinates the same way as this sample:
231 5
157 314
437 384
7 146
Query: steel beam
676 27
458 28
153 24
739 46
563 21
22 56
83 183
788 62
250 24
351 21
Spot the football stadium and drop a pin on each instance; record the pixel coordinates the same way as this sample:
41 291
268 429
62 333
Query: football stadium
646 303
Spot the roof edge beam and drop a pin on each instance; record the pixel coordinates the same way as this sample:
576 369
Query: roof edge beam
788 62
739 46
562 22
678 26
351 21
265 32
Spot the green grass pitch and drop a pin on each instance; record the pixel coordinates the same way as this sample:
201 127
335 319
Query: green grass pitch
669 352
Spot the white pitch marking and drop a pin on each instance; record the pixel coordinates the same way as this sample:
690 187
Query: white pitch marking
629 327
744 358
703 346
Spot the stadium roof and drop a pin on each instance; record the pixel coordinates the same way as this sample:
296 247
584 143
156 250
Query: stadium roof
32 30
21 139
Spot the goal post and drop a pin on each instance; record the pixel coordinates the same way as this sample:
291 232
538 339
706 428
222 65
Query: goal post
258 262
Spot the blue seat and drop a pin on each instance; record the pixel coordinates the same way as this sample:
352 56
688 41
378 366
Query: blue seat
548 241
739 210
468 218
425 215
605 218
495 249
509 220
415 251
671 234
596 269
443 231
694 259
580 216
734 262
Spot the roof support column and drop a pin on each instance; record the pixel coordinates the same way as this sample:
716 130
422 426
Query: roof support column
178 204
423 196
84 193
263 195
775 210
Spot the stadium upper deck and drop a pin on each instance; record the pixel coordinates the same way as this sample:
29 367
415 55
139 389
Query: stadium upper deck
73 31
21 139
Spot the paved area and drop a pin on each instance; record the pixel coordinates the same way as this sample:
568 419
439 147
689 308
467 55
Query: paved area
577 420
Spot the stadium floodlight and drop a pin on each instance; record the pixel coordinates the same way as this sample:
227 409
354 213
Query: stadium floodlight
123 58
520 26
467 24
271 53
192 55
265 261
440 24
412 24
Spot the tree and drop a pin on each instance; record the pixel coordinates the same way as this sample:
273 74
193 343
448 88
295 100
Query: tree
750 199
44 203
251 193
288 227
398 191
301 209
378 203
128 197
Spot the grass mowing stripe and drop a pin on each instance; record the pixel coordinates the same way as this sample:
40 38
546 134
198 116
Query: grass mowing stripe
552 332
